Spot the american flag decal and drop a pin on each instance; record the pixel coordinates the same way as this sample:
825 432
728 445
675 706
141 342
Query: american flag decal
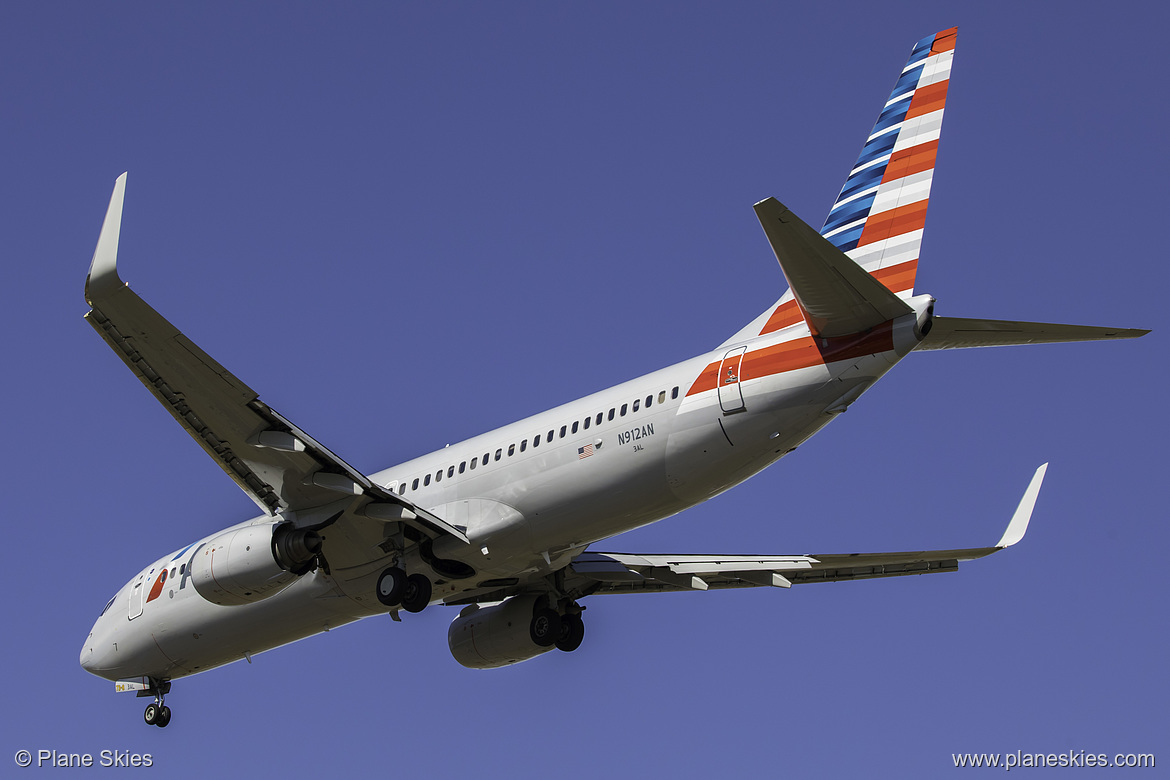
584 452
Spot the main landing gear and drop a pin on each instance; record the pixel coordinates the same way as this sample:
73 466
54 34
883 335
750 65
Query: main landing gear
397 589
565 630
157 713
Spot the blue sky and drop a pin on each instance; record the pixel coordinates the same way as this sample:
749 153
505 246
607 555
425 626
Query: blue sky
406 224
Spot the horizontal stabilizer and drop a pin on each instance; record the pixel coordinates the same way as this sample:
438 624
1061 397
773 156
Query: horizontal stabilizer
960 333
836 296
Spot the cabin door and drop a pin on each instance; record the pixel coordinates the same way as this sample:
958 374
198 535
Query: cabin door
730 394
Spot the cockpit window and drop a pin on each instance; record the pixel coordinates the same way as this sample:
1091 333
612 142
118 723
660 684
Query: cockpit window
106 608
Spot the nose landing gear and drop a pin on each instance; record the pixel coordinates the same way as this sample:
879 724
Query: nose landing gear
157 713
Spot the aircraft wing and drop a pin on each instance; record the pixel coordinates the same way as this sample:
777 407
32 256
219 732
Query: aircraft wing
598 572
277 464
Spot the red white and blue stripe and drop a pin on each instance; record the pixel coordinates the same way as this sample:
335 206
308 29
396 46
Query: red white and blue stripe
879 216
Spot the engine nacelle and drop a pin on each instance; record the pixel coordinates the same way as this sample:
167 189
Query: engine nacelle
249 564
490 637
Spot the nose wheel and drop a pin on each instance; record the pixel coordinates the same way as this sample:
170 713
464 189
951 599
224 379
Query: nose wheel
157 712
157 715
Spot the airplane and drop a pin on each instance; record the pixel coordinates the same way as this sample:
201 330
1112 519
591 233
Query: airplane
502 524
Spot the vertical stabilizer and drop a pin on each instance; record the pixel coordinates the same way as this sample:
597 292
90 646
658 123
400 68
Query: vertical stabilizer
880 214
878 218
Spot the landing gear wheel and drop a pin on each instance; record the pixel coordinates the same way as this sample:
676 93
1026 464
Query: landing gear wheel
417 593
572 633
151 716
164 717
391 586
545 627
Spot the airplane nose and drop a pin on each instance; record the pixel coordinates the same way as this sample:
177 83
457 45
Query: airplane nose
98 658
87 660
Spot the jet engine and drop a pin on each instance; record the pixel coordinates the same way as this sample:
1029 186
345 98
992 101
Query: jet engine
252 563
500 635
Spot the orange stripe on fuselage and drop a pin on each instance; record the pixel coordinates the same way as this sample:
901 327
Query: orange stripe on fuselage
894 222
786 314
800 353
708 379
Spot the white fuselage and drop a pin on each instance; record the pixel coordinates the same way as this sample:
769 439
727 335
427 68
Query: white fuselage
531 495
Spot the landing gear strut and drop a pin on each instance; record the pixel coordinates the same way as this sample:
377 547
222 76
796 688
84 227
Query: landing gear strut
157 713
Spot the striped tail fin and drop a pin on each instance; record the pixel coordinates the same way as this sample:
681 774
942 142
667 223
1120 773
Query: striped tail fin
878 218
880 214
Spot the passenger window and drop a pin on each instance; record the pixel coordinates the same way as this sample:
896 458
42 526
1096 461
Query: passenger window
414 485
636 402
599 417
451 471
550 436
662 397
624 407
575 426
427 480
439 475
462 467
523 445
563 429
587 421
511 450
611 411
674 393
649 400
402 489
536 440
499 454
486 458
474 461
182 568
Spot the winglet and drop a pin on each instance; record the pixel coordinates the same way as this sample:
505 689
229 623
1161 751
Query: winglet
103 269
1019 524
